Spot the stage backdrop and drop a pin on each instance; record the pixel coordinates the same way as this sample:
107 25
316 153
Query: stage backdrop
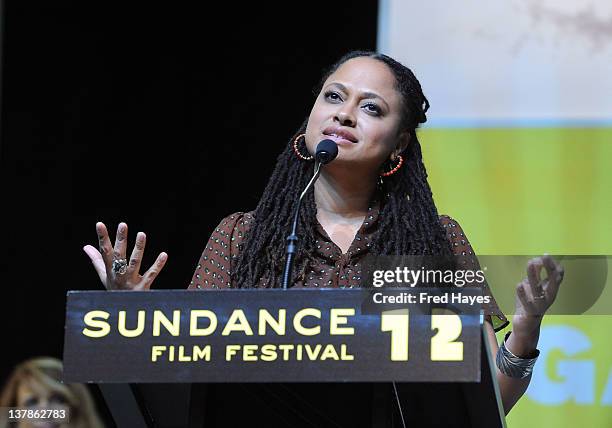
518 146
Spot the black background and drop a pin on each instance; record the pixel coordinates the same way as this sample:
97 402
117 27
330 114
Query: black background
167 116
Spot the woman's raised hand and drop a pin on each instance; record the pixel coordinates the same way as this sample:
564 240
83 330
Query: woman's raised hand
533 295
112 266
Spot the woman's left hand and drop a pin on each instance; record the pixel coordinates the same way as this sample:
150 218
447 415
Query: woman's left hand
535 295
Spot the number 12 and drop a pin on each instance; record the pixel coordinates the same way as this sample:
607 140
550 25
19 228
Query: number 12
443 345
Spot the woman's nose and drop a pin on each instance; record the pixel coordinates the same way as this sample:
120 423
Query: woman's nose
345 118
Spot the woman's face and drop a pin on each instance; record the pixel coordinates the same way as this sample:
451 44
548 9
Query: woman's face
360 109
32 395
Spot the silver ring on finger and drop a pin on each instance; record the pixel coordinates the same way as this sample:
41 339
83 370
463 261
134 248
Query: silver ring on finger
540 296
119 266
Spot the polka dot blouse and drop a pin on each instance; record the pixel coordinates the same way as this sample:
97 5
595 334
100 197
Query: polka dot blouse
329 267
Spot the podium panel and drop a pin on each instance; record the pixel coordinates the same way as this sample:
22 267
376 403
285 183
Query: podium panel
308 357
305 335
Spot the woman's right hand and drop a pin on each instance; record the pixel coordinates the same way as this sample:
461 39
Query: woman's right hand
102 260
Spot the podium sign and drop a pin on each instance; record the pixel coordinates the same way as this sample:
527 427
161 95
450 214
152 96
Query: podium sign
272 335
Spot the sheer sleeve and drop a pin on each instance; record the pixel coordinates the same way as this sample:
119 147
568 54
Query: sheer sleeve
217 259
462 247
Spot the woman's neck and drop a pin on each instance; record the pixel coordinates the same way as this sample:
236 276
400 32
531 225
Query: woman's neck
344 194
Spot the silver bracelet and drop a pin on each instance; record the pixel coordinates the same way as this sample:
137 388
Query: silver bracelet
513 366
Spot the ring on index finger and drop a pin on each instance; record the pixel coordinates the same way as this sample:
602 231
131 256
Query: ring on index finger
119 266
541 295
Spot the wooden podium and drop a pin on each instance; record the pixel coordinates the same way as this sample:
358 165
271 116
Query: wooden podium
295 358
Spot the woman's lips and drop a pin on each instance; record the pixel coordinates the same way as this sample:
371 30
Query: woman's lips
339 139
340 134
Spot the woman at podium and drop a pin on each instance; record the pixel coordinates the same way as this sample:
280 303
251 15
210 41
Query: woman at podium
374 198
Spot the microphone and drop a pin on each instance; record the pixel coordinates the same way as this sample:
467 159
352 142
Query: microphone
327 150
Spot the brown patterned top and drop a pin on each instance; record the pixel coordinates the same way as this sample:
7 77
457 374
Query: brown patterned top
330 268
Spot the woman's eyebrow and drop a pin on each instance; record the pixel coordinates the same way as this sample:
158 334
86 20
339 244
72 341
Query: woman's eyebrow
339 86
366 94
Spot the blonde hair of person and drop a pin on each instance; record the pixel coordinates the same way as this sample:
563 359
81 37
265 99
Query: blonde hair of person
43 376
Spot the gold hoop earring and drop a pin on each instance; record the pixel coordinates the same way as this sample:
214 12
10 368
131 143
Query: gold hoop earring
400 162
297 151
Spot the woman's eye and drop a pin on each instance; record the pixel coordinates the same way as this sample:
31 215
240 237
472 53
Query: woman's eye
30 402
57 399
372 108
332 96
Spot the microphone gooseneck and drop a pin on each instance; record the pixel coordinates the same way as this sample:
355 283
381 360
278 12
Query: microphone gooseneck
327 150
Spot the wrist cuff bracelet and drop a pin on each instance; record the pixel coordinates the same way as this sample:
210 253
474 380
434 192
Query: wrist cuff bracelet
511 365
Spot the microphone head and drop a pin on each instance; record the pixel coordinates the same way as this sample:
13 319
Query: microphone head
327 150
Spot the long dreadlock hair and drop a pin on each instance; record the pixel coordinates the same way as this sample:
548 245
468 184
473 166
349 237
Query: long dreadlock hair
409 223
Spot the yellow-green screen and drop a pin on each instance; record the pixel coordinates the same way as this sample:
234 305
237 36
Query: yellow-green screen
531 191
